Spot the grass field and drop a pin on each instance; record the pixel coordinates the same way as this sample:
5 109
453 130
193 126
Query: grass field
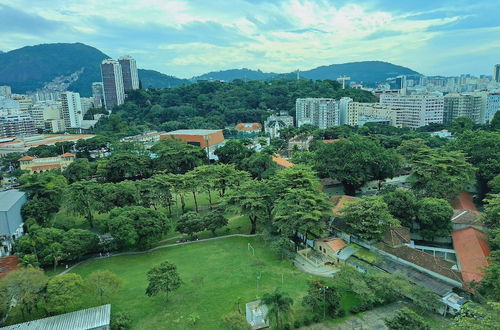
216 275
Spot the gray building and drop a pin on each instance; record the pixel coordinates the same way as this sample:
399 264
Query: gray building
20 125
275 123
98 94
112 81
11 221
321 112
129 73
96 318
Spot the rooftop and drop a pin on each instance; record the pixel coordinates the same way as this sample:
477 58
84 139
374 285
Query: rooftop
282 162
193 132
248 127
335 244
464 201
8 198
471 247
8 264
466 217
85 319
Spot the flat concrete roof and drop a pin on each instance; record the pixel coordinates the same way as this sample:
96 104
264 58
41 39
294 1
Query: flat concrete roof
193 132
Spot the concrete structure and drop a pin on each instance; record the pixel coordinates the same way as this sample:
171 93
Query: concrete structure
47 110
343 110
248 128
300 142
360 113
98 94
39 165
256 315
146 139
470 105
95 318
112 81
72 112
420 110
5 91
275 123
129 73
54 125
9 106
22 145
496 72
321 112
207 139
492 106
11 221
20 125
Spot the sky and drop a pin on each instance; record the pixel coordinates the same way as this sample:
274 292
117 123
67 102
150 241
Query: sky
186 38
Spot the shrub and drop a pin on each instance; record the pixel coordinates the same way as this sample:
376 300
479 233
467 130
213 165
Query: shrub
120 321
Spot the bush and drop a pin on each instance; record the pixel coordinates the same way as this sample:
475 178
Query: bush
297 324
316 318
307 321
120 321
341 312
359 308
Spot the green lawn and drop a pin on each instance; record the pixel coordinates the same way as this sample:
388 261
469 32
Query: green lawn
229 273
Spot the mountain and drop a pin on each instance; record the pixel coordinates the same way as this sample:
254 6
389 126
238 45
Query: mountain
30 68
367 72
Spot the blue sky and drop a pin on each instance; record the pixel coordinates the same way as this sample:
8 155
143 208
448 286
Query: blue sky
191 37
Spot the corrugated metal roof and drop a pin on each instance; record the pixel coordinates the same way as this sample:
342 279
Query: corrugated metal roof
84 319
8 198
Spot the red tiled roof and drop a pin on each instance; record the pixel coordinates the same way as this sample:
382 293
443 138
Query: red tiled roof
464 201
335 244
471 247
248 127
330 141
45 167
67 154
26 158
282 162
8 264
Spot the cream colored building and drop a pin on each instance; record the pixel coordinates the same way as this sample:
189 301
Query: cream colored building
395 116
38 165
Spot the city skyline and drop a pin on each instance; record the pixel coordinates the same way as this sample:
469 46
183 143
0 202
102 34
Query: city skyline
187 38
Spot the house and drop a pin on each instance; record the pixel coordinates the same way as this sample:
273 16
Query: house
207 139
467 218
248 128
335 249
471 247
301 143
39 165
96 318
275 123
256 315
11 221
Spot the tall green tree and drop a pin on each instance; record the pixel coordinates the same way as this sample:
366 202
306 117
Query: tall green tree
64 293
440 174
81 199
322 299
403 205
190 223
406 319
103 284
279 306
260 165
369 217
163 278
79 170
434 218
233 152
214 220
178 157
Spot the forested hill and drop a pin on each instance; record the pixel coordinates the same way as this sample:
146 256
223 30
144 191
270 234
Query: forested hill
366 72
214 105
29 68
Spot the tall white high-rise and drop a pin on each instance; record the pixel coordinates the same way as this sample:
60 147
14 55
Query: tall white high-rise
496 72
129 73
71 109
470 105
321 112
112 80
344 110
419 110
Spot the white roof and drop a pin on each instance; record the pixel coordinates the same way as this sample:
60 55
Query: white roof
8 198
85 319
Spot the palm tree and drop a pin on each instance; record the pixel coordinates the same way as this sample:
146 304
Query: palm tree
279 306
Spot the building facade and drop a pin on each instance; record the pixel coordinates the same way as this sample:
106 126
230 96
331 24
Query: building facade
343 110
420 110
470 105
492 106
207 139
20 125
98 94
496 72
321 112
374 112
72 112
112 81
11 221
277 122
5 91
129 73
40 165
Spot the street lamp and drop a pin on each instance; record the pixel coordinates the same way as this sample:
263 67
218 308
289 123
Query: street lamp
324 302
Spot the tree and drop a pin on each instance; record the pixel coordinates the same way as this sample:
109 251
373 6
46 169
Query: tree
284 247
122 166
136 226
163 278
235 321
491 216
477 317
434 218
260 165
406 319
460 125
494 184
193 184
301 211
56 253
440 174
178 157
78 242
190 223
25 286
81 199
214 220
103 284
322 299
410 148
120 321
64 293
79 170
402 205
279 306
369 217
233 152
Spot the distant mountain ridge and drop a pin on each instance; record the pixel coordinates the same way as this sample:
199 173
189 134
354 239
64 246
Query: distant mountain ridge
30 68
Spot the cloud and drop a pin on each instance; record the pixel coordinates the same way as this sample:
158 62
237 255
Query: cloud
190 37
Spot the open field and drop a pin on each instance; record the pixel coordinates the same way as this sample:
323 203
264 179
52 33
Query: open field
216 275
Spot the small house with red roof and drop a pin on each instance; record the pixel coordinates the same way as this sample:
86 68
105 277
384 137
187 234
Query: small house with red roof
39 165
472 250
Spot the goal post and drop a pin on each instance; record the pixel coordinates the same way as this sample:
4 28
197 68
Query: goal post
250 247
